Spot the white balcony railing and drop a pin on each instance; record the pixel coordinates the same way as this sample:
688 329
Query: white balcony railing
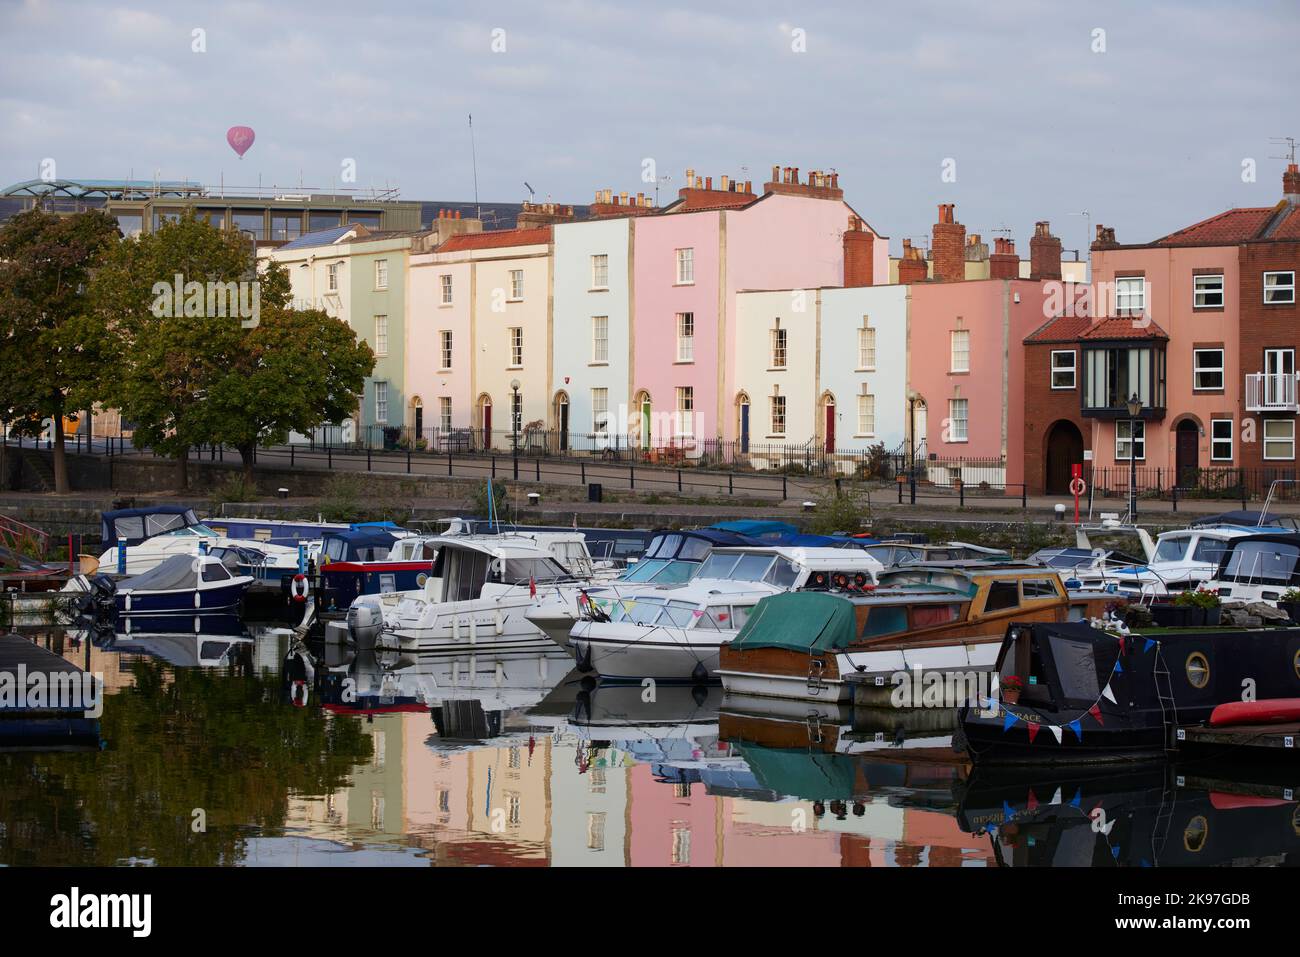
1271 392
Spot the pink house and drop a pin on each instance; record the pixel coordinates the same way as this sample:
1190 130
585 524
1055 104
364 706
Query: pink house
692 259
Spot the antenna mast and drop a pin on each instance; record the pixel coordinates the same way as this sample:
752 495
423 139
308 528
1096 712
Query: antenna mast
474 159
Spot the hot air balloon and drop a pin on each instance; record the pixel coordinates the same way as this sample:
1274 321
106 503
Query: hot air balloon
240 139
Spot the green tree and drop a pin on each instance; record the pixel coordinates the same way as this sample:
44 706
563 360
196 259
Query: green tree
298 369
51 357
171 350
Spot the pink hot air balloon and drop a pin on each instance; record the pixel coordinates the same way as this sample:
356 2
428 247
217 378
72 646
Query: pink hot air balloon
240 139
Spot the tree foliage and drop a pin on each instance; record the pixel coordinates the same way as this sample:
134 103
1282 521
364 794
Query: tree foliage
51 362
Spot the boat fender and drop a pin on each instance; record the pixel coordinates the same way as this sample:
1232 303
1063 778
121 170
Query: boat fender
499 622
299 588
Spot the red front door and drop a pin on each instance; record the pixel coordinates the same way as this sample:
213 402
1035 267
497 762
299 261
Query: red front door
487 426
830 428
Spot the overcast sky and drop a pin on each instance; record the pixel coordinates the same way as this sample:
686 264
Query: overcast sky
1147 136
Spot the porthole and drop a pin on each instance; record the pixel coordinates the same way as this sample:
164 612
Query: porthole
1196 834
1295 663
1198 670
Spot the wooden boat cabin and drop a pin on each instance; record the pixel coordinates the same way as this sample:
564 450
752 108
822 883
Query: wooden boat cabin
947 617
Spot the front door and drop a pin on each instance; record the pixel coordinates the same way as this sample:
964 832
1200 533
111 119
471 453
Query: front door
744 428
830 427
645 423
1064 450
564 425
419 421
487 425
1187 453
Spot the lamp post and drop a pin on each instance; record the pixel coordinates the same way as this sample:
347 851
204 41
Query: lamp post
911 433
1134 410
514 424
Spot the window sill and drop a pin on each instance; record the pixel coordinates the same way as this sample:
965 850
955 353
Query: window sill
864 435
1064 388
861 369
513 368
778 368
1207 308
598 364
959 372
598 289
691 283
684 362
775 435
445 305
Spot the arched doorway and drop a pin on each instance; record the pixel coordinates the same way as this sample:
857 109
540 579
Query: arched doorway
827 424
417 417
642 428
1187 453
561 413
483 418
1063 449
742 422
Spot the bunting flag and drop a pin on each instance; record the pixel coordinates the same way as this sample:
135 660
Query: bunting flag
1150 643
1077 800
1056 798
1096 714
1031 802
1114 851
1056 731
1008 721
1077 729
1108 694
1121 644
1119 669
1008 812
1033 730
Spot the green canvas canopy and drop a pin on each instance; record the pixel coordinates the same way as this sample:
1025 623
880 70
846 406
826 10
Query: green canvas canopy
799 621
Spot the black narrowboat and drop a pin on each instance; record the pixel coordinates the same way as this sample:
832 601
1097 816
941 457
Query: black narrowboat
1086 694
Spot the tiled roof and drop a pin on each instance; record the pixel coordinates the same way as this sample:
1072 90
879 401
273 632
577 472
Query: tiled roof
1232 226
496 239
1288 227
698 200
1123 327
1060 329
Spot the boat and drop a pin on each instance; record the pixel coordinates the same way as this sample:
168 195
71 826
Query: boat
1095 694
1258 568
1181 560
273 531
142 538
475 595
181 583
672 557
675 632
945 618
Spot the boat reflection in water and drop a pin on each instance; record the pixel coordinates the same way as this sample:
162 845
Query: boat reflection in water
1197 816
184 641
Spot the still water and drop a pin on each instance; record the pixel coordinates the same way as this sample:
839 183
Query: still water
239 746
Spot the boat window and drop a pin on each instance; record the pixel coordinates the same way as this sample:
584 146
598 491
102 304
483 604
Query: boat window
1033 588
679 613
1172 549
1271 563
519 571
716 618
132 527
674 573
740 615
644 570
641 611
925 616
463 573
695 550
1002 595
1209 550
1076 668
215 572
718 565
668 546
752 568
334 549
885 620
784 573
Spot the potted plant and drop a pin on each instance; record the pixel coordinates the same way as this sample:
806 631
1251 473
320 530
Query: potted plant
1290 603
1203 605
1011 686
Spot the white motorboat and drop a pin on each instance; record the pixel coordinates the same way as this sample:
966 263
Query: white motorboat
674 632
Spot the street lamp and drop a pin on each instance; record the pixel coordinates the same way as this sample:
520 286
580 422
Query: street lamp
514 424
1134 410
911 431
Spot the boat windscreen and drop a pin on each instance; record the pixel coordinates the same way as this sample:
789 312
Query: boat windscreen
519 571
1272 563
736 567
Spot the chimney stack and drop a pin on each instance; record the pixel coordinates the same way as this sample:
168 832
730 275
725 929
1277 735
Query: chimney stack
976 251
948 246
911 268
1004 263
1291 184
1105 237
859 254
1044 253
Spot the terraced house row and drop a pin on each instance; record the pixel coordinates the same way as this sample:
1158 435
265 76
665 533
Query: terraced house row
738 321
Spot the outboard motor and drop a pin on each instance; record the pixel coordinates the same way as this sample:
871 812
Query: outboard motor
365 622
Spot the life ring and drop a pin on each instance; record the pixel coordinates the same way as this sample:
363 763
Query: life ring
299 587
1078 486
